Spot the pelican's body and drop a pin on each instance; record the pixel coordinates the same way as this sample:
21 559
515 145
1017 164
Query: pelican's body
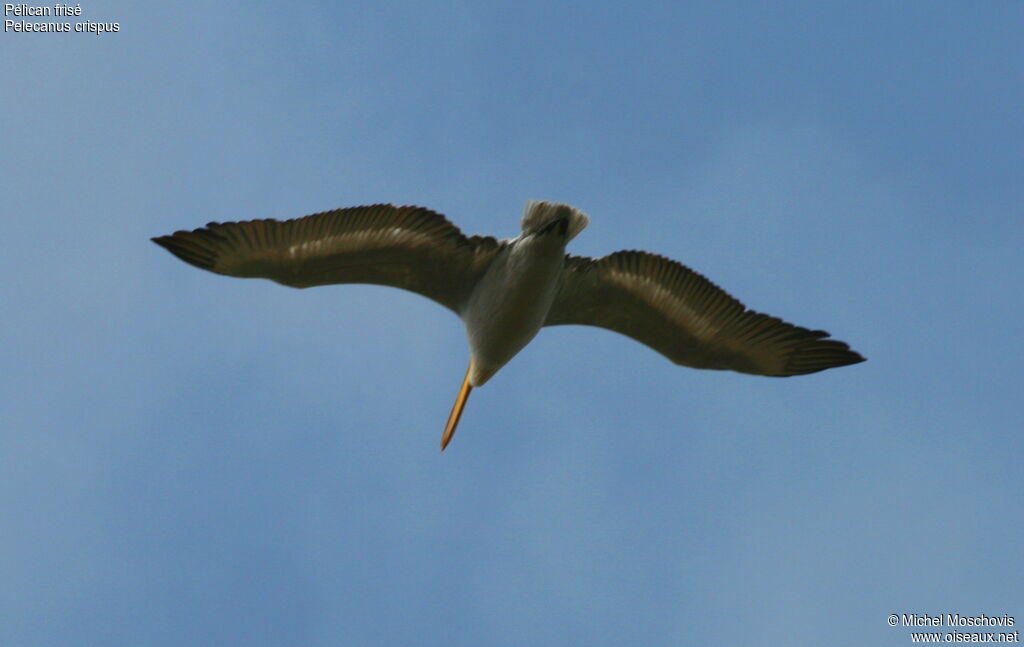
506 291
511 301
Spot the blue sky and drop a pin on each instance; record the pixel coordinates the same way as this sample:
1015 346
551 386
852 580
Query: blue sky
192 459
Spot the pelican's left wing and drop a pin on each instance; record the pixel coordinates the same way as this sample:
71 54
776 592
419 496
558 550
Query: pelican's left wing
687 318
404 247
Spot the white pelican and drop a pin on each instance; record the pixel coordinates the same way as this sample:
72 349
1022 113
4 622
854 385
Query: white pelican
506 291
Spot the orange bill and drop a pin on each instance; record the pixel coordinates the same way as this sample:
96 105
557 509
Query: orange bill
460 403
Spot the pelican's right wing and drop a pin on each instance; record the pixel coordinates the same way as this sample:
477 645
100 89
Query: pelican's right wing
405 247
687 318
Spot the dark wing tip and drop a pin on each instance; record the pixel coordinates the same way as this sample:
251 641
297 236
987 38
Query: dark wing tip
819 355
190 246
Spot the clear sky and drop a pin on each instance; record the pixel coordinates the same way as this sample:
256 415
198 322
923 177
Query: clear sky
189 459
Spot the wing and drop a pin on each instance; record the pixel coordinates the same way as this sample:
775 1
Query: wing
405 247
687 318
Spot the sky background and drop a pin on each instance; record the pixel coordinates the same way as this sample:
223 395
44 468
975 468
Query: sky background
189 459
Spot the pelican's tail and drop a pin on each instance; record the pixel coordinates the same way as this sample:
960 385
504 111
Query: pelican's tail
539 214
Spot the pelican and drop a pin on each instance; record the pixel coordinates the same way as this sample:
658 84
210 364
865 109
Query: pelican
506 291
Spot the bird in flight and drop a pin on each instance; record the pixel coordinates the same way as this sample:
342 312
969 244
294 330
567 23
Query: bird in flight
506 291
